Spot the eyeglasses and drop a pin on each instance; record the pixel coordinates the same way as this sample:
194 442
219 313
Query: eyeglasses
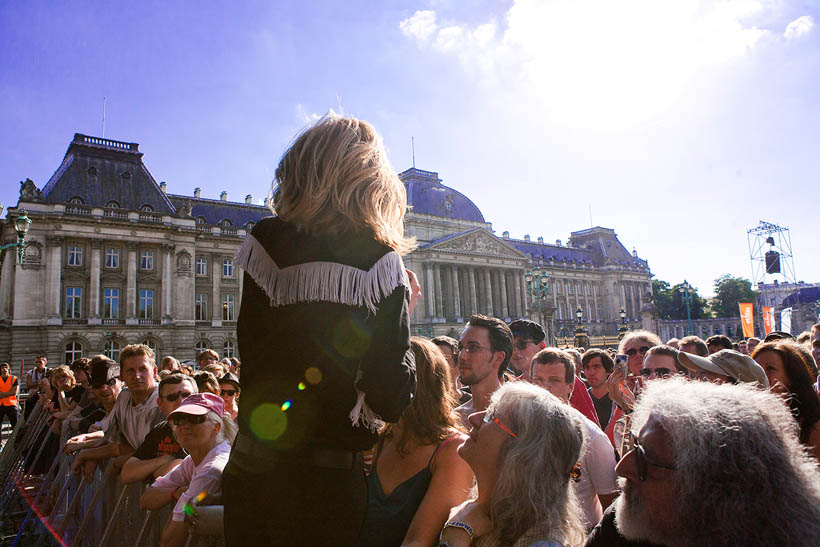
174 396
227 392
659 372
522 344
632 352
499 423
182 419
643 460
110 383
470 348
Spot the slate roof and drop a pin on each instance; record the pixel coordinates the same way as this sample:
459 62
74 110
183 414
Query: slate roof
806 295
99 171
427 195
214 211
546 252
605 248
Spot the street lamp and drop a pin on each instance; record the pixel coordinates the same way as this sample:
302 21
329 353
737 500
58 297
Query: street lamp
538 287
21 224
622 328
581 338
686 291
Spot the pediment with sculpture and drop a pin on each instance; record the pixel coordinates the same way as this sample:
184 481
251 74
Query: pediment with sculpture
478 242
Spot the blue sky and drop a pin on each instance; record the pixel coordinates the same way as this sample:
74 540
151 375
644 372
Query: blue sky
680 124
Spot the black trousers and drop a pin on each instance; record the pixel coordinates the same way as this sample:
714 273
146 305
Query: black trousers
10 412
297 503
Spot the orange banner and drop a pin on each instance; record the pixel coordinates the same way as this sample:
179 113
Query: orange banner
768 319
747 319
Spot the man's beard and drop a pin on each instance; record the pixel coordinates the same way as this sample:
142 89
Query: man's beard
632 519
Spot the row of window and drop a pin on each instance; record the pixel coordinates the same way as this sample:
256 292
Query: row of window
145 304
112 260
74 350
574 288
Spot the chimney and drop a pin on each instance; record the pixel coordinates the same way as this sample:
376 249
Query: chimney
558 242
541 240
223 196
526 237
248 199
505 235
164 187
197 193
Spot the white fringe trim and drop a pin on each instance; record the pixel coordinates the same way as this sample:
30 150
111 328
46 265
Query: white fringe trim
326 282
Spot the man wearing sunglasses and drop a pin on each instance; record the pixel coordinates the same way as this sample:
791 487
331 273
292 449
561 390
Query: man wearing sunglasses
160 452
698 474
634 345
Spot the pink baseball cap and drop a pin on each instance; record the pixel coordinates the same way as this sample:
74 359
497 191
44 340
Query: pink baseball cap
199 404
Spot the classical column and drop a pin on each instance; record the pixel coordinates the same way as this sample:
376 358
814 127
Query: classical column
94 297
6 273
473 295
431 290
456 292
488 289
241 273
437 281
54 268
168 250
518 279
595 301
623 298
216 277
502 287
131 285
587 309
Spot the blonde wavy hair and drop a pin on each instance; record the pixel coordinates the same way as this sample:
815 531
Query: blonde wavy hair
336 179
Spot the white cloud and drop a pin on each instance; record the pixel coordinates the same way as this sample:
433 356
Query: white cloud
799 27
591 59
421 25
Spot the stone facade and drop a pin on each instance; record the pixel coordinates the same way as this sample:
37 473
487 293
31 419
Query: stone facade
113 259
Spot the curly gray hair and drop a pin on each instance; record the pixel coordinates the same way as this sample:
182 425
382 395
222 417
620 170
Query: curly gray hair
743 477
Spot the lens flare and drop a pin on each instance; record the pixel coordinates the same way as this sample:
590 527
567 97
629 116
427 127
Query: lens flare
268 422
301 386
313 375
286 405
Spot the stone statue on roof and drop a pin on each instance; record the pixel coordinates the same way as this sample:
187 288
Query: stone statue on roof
30 192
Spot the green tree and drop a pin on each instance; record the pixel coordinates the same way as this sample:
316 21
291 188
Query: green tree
669 301
730 290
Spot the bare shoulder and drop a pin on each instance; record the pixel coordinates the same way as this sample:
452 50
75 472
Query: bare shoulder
447 456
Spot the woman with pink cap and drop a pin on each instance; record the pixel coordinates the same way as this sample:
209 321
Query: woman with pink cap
202 429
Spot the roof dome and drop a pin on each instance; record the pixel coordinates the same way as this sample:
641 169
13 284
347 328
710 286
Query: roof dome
426 195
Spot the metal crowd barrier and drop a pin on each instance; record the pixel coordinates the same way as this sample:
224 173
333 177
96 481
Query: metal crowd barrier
60 508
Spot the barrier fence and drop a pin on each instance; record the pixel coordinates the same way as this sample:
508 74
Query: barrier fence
56 507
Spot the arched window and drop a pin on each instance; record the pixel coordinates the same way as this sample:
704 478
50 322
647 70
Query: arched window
249 226
200 220
151 343
76 200
202 345
73 351
147 208
126 175
92 170
229 348
112 205
112 349
225 222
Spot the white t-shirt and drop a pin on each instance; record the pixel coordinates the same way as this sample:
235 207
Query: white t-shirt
205 477
597 473
132 422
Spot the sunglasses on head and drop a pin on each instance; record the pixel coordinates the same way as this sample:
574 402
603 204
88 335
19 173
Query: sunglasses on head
182 419
174 396
227 392
643 461
659 372
633 352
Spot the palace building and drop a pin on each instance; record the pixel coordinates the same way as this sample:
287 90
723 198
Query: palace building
112 259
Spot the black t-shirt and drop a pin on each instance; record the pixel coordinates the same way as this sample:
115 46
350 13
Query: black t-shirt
603 407
73 395
90 414
159 441
605 534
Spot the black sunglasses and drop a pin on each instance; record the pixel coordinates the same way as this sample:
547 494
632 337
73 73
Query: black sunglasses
632 352
227 392
174 396
643 460
182 419
109 383
659 372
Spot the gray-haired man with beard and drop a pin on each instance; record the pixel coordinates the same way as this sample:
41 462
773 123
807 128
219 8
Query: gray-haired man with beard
713 465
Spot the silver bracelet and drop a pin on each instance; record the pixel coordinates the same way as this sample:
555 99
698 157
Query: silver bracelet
456 524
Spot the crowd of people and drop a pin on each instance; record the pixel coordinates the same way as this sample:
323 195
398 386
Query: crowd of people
349 431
